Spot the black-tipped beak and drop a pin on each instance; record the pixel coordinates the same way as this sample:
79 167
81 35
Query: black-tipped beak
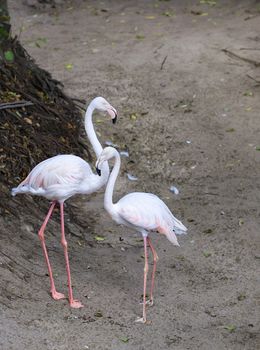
114 119
98 171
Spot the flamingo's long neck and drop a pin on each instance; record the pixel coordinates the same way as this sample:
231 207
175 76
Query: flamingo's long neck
108 200
94 141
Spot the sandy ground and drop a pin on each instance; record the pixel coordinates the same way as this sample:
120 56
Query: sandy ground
189 117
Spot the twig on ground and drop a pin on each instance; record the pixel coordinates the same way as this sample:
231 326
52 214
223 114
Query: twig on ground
249 48
234 55
164 60
257 81
251 17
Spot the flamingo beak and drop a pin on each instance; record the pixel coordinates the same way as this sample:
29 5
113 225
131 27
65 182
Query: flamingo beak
114 119
113 114
97 168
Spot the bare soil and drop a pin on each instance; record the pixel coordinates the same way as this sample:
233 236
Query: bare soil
189 117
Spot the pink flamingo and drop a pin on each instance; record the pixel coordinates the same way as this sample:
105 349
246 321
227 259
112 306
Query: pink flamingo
60 177
141 211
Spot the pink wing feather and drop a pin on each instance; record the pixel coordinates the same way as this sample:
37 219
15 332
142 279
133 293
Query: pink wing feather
56 178
147 211
61 169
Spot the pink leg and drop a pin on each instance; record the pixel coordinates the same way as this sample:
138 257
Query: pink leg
155 259
54 293
73 303
143 319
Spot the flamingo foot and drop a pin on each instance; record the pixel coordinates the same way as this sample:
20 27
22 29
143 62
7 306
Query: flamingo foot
141 320
57 296
76 304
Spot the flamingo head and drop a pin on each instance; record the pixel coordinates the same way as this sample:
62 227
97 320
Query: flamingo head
106 154
102 105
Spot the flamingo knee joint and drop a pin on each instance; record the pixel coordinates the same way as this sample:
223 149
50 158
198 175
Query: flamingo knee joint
64 243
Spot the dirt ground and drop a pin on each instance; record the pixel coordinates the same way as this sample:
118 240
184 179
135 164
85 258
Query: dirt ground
189 117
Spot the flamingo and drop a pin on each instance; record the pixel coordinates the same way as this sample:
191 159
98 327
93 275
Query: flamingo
143 212
62 176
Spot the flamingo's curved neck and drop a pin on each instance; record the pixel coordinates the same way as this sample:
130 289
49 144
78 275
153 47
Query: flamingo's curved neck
108 200
94 140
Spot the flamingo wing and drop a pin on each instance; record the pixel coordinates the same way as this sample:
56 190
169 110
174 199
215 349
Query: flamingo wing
59 170
63 169
149 212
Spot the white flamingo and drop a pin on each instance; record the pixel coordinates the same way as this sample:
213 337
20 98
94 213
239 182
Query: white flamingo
60 177
141 211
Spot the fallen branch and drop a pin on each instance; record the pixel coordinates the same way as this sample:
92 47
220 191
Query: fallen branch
16 104
234 55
